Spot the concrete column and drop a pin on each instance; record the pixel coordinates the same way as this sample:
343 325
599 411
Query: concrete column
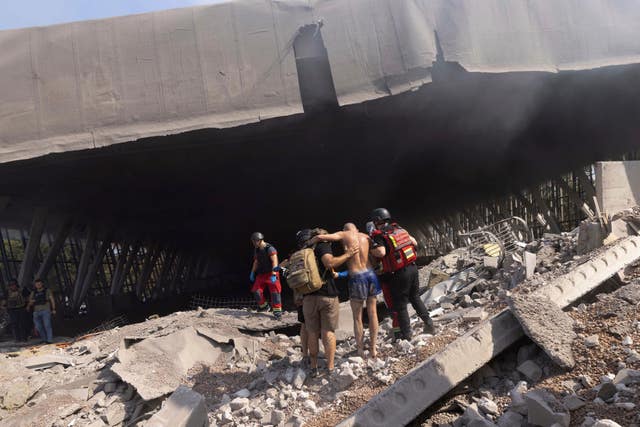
6 272
166 268
150 258
83 265
25 276
176 276
131 258
90 277
57 245
119 270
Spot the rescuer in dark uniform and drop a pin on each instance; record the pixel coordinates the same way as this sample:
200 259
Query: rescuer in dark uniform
16 305
264 274
397 251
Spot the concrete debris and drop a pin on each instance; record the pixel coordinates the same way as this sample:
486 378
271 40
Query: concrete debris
185 408
167 359
46 361
592 341
530 370
232 378
540 413
547 325
573 402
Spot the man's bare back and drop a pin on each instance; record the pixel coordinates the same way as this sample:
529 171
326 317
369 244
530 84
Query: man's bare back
351 238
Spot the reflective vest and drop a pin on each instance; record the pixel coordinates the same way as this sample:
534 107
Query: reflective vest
400 250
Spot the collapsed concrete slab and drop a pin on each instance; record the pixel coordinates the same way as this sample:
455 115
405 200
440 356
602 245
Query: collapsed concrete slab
47 361
547 325
155 366
185 408
586 277
430 380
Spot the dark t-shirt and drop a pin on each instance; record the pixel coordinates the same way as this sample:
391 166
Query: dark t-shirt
329 288
263 255
379 240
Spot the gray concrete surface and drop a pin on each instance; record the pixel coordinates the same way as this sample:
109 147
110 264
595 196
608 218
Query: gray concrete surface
426 383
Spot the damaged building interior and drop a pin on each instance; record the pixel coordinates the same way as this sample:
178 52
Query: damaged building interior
139 153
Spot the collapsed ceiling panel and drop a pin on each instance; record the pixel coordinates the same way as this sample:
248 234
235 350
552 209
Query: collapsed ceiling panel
96 83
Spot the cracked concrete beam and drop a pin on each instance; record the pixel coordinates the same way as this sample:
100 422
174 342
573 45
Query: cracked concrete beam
430 380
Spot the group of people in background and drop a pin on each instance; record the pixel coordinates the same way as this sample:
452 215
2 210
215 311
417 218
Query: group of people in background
20 302
381 260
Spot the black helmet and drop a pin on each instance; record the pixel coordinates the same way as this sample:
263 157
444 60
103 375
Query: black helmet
380 214
303 236
257 236
370 227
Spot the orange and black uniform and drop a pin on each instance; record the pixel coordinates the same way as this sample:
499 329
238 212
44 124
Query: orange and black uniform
400 276
263 279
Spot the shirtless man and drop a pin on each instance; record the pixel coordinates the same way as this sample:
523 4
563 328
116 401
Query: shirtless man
363 283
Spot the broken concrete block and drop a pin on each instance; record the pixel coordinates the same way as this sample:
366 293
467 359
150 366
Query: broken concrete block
172 354
475 315
540 413
627 406
69 410
242 393
491 261
277 417
488 406
627 376
547 325
47 361
529 264
185 408
591 341
238 403
18 393
607 391
298 378
114 414
473 417
530 370
510 419
606 423
573 402
590 236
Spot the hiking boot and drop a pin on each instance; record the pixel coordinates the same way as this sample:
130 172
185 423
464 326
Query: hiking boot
314 373
263 309
277 315
429 328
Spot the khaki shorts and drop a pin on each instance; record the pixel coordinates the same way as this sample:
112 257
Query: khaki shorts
320 313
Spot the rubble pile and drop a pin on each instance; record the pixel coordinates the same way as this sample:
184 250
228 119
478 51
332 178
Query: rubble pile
232 367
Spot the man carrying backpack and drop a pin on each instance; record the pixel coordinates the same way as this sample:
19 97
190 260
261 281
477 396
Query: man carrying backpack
397 251
264 274
321 307
363 284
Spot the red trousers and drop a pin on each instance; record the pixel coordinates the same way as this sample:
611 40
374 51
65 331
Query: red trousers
386 293
262 283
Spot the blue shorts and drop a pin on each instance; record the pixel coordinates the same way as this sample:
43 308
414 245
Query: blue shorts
363 285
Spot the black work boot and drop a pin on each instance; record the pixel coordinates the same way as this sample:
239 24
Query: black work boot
429 328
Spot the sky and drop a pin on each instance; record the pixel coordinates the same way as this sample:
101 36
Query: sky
30 13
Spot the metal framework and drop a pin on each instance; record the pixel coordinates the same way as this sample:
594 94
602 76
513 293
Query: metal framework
81 261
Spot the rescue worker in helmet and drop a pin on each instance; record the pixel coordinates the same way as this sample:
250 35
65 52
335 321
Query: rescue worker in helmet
265 275
397 251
